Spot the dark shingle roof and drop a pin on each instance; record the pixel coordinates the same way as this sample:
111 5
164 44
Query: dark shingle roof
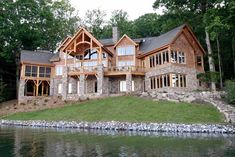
151 43
40 57
106 42
55 57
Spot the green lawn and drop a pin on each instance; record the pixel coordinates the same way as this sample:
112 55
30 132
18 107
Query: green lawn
127 108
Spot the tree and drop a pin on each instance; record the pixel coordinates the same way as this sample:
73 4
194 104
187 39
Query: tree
94 21
119 18
150 21
33 24
197 10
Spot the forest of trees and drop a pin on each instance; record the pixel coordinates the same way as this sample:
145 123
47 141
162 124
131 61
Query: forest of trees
42 24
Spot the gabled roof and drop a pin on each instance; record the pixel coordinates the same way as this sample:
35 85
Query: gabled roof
35 57
77 34
124 36
64 42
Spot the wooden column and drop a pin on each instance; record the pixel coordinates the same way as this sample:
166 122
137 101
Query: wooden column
42 88
100 55
34 90
37 87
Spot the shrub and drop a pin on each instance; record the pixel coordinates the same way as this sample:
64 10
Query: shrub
230 91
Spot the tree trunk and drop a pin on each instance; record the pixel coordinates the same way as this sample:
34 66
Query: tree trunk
210 59
219 58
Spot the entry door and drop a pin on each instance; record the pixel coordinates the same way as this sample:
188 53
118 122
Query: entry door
78 87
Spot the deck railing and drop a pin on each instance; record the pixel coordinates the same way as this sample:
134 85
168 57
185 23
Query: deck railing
82 69
119 69
125 69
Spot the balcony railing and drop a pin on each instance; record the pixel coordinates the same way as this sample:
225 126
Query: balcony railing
125 69
82 69
90 69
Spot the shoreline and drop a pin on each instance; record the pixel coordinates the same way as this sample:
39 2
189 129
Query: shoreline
126 126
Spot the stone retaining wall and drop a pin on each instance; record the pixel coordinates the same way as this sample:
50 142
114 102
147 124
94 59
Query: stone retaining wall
213 98
114 125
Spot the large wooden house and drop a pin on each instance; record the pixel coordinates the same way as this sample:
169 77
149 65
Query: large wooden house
86 66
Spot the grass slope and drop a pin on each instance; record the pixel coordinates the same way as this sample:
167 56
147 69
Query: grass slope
127 108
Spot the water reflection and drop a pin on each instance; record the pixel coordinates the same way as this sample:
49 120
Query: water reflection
84 143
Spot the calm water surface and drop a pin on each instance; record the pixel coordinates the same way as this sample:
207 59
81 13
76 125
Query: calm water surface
82 143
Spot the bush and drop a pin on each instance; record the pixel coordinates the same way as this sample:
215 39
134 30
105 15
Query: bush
230 91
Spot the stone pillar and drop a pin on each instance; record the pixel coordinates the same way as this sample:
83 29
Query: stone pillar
100 78
65 83
128 83
21 90
51 87
82 85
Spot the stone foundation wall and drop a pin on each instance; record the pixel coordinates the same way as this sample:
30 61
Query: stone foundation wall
56 82
90 84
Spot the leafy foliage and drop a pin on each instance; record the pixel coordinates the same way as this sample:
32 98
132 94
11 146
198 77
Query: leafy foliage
230 91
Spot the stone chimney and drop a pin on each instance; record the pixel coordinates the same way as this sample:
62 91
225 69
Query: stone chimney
115 34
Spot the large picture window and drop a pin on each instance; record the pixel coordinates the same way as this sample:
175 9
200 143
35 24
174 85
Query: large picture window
44 72
168 80
32 71
128 50
158 59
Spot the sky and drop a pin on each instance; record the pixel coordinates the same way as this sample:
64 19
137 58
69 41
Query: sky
134 8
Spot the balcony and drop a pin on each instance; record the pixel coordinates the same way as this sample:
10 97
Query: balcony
124 70
73 70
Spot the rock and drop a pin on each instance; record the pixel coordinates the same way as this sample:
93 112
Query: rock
189 99
173 100
144 94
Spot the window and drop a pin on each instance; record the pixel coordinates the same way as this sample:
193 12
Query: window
178 80
60 88
44 72
133 86
122 86
175 80
31 71
129 50
199 61
158 59
70 90
153 83
59 70
151 60
181 58
174 56
104 55
95 87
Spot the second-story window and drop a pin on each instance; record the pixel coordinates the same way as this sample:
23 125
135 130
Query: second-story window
178 57
174 57
59 70
181 58
124 51
31 71
199 61
44 72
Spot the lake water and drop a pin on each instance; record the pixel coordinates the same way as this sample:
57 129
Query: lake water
16 141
